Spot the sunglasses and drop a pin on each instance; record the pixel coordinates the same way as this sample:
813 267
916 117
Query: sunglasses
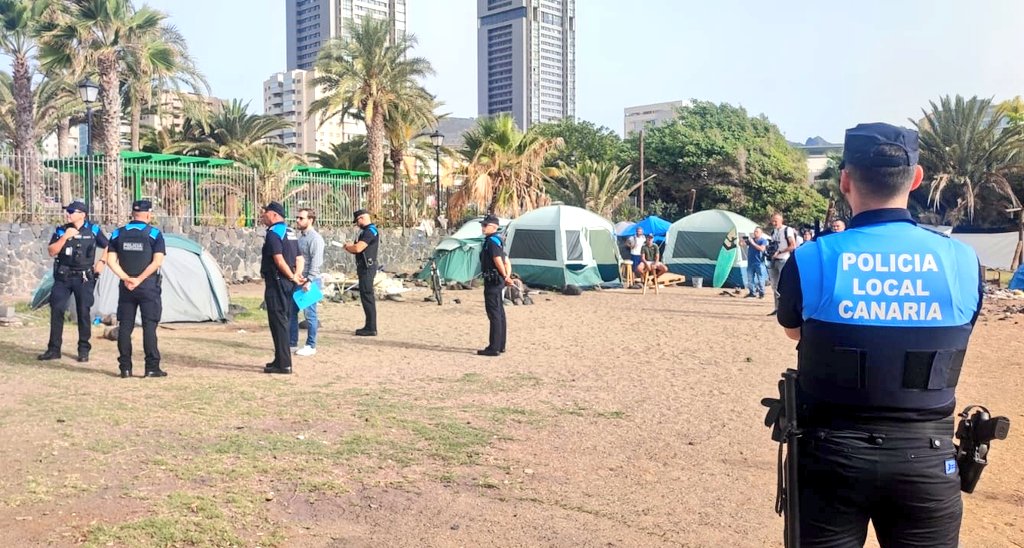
71 211
301 218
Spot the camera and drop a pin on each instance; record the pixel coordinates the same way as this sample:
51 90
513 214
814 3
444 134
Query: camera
746 238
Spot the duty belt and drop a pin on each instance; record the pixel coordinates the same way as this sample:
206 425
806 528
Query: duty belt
942 427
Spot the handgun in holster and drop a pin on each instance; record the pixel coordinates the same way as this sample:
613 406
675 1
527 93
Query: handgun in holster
975 432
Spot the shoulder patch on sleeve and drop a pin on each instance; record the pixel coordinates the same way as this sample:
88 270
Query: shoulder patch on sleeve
115 233
154 232
496 240
279 230
95 229
59 231
372 229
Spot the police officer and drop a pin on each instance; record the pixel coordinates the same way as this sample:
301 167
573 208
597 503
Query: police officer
365 250
137 250
281 267
883 312
497 272
75 268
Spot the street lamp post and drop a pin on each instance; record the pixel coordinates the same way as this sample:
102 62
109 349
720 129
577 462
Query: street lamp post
88 91
437 139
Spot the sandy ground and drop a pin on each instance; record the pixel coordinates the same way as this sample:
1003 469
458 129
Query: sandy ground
572 438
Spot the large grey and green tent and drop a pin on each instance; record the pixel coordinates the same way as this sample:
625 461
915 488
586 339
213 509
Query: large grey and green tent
458 255
694 242
559 245
193 287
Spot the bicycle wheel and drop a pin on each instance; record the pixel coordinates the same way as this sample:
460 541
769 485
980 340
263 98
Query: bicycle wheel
435 284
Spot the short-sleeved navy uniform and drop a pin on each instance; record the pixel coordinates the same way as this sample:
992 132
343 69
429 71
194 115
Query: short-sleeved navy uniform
493 286
366 269
73 274
885 311
135 245
277 292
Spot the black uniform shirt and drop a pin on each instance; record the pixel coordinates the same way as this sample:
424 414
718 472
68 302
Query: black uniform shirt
367 259
156 245
279 241
89 255
492 249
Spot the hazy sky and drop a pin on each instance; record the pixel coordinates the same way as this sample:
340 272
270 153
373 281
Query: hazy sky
813 67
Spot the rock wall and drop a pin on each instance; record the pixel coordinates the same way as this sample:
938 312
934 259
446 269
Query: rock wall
24 260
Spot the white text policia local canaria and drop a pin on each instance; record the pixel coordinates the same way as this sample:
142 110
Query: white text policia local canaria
889 310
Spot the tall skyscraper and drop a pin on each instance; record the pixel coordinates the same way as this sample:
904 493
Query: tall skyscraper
288 95
311 23
526 59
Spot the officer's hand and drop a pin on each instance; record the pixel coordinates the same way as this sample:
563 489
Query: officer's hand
98 268
508 280
71 232
131 283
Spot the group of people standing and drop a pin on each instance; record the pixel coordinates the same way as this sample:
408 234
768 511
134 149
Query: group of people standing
767 255
292 261
133 253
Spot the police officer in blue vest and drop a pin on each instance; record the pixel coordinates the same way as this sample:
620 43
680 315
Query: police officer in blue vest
497 275
281 268
365 250
883 313
75 268
137 250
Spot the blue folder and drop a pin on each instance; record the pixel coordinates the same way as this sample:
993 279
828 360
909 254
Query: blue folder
305 299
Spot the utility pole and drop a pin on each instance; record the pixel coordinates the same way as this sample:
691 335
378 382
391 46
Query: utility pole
641 172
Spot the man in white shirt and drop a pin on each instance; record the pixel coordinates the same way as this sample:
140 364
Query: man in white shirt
784 238
636 244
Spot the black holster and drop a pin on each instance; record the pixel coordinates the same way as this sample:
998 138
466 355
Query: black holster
781 418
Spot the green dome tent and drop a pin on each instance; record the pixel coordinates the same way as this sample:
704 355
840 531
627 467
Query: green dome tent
558 245
458 255
694 242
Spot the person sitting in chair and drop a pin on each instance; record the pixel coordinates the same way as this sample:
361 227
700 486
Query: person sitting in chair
650 259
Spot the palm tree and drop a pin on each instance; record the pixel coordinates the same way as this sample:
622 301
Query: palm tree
965 152
104 34
232 132
506 167
19 20
407 122
370 74
351 155
600 187
159 63
274 167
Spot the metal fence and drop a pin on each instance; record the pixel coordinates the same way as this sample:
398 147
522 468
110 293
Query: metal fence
198 191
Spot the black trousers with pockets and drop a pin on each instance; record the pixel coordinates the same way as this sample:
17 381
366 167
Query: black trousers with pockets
907 485
82 286
278 297
367 298
147 300
495 316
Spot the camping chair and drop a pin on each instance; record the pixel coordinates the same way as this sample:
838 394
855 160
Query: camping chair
653 278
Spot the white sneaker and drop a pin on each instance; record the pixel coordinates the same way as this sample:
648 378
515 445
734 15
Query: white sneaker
306 351
293 349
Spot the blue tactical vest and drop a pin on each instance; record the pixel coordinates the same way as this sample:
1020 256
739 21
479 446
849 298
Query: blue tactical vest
887 312
135 243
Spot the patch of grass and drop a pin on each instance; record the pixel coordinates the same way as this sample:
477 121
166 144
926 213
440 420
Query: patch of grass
610 414
253 313
185 519
487 482
575 410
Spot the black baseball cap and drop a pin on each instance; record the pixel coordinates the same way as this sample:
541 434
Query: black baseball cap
142 205
77 205
358 213
863 141
276 207
490 220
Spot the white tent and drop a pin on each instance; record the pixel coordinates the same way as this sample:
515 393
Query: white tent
694 242
558 245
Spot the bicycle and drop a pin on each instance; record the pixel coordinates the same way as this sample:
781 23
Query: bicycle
435 280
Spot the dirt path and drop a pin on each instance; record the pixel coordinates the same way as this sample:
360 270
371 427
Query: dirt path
570 439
